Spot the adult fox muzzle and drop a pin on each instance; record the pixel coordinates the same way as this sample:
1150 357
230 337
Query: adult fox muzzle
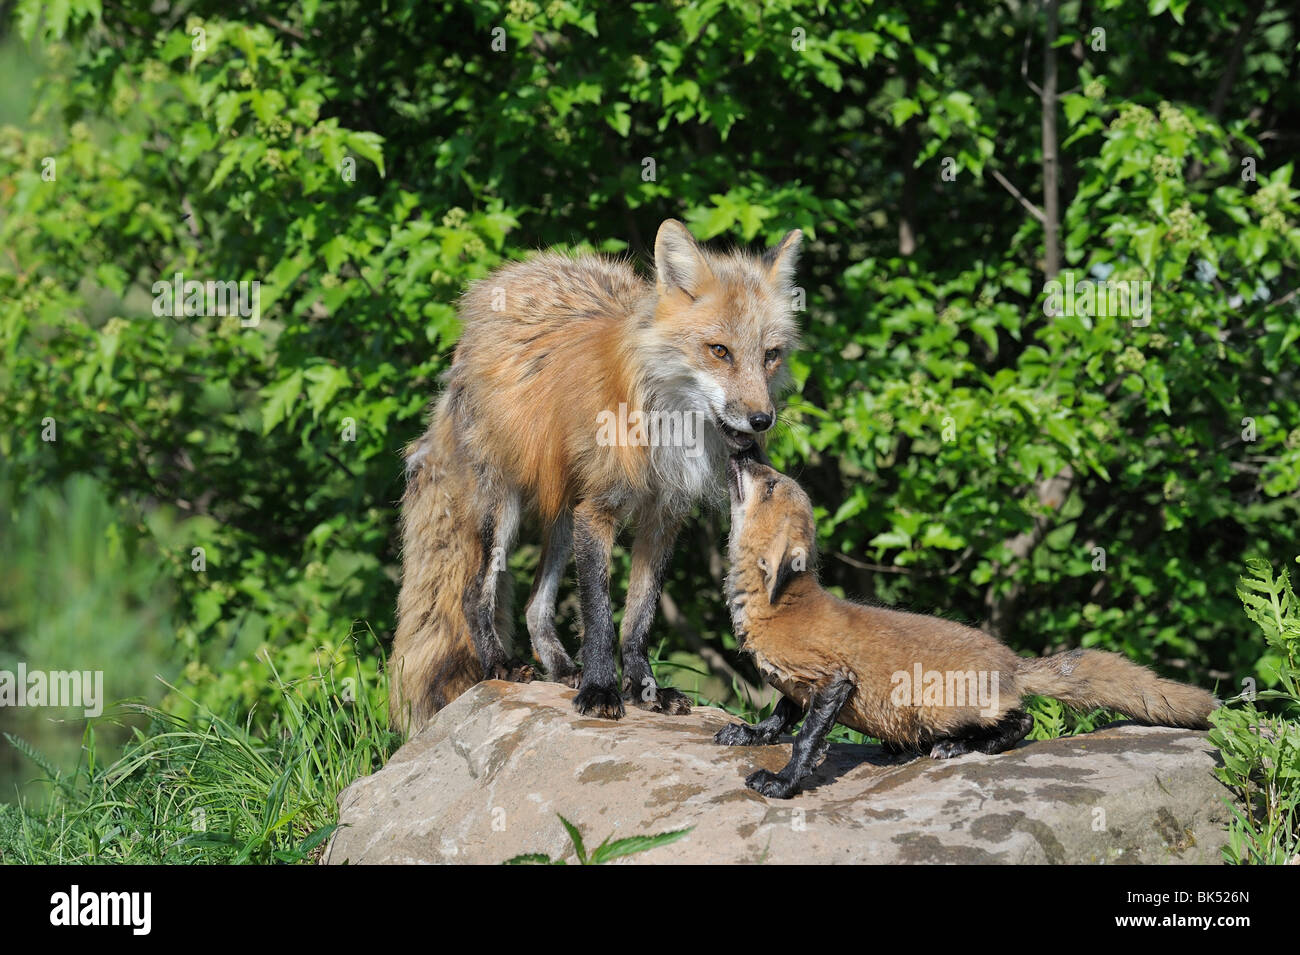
910 680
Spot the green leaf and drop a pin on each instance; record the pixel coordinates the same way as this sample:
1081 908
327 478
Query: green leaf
1076 107
325 382
317 837
619 119
576 838
1144 244
937 535
607 852
368 146
904 109
280 398
891 539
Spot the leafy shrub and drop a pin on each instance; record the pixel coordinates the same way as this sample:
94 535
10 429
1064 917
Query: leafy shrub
1261 749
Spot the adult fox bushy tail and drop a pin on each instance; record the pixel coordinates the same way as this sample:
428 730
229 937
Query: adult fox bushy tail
587 396
912 681
433 659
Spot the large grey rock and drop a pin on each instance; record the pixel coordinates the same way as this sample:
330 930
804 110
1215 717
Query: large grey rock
484 781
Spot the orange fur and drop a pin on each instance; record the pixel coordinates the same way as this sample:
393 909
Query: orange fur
806 637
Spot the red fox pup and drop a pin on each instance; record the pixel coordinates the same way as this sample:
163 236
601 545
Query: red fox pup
586 395
912 681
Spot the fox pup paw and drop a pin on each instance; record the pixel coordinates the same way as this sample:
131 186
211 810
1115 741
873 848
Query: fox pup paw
740 734
771 785
602 701
949 748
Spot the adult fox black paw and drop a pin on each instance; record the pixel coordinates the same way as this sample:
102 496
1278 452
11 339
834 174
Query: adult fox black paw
602 701
570 676
645 694
738 734
665 700
515 671
771 785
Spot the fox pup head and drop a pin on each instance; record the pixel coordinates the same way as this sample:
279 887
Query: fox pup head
773 536
723 329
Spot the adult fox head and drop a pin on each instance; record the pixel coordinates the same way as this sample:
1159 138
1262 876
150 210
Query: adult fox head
723 330
773 537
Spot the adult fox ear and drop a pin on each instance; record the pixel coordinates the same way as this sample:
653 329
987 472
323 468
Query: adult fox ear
785 556
679 264
780 260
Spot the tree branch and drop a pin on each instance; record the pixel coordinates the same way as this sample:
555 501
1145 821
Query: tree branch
1032 209
1234 59
1024 67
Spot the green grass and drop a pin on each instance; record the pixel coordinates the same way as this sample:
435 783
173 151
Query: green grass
206 790
83 586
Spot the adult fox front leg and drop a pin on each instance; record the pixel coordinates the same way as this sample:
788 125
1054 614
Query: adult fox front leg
581 389
656 533
593 540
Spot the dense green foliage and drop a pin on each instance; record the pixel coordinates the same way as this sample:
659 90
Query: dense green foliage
1066 479
1260 746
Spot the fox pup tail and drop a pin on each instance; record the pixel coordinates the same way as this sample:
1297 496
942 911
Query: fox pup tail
1087 679
433 659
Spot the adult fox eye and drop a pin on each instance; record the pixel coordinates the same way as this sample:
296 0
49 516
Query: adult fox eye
772 355
719 351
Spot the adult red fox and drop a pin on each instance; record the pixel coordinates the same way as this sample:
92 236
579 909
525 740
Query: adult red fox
909 680
587 395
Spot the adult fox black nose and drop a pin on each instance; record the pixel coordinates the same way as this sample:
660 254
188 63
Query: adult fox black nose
760 421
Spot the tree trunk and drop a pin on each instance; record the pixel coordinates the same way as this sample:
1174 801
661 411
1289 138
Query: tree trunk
1051 170
1051 491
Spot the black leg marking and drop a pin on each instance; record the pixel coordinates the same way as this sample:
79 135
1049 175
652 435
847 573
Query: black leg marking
809 746
998 738
650 554
786 713
598 694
